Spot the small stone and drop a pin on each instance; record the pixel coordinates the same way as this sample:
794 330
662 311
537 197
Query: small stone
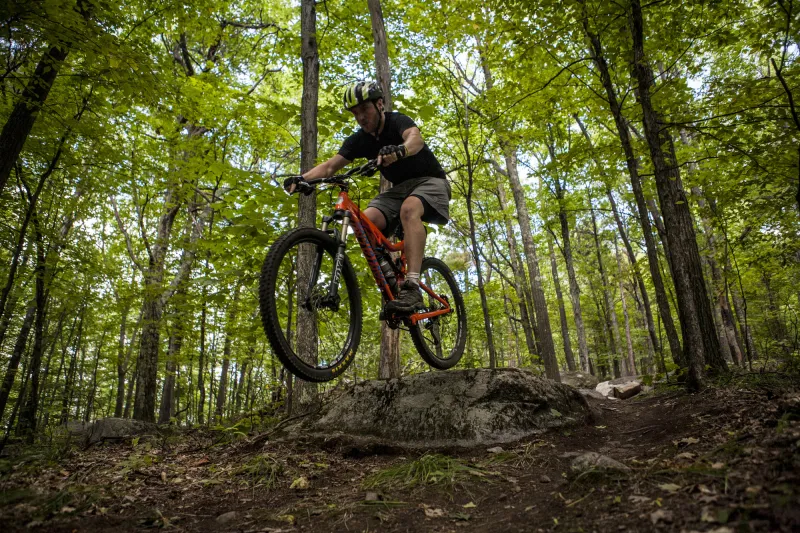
496 449
662 515
226 517
544 479
372 497
593 461
300 483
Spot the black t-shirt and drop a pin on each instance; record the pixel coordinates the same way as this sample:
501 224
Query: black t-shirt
420 165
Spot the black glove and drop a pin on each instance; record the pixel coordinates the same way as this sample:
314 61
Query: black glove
399 151
292 180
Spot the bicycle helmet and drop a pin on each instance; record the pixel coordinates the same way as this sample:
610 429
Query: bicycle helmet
361 91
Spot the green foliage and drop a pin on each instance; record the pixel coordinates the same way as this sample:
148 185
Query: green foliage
430 469
144 131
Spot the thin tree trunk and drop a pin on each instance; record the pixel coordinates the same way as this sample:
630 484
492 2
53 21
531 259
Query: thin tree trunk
612 327
633 171
651 327
562 313
307 335
574 288
545 340
168 396
16 357
630 365
222 390
68 381
517 269
697 323
93 389
487 321
389 365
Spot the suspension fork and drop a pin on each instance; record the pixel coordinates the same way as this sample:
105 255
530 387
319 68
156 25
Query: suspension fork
332 297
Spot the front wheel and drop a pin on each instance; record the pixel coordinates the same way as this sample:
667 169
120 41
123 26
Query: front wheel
315 333
440 340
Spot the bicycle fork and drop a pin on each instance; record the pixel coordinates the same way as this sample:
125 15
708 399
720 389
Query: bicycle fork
331 300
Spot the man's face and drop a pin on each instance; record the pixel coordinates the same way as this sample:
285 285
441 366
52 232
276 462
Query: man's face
366 115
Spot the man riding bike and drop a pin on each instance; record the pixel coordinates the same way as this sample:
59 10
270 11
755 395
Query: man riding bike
420 191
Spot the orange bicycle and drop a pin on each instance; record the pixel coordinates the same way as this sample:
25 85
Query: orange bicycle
311 303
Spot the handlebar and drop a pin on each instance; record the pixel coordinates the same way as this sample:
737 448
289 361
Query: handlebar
307 187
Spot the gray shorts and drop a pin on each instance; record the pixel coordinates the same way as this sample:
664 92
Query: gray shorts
434 193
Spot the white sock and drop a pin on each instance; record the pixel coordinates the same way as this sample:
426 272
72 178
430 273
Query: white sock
413 277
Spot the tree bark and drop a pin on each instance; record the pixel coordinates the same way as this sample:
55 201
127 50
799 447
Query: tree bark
389 366
633 171
562 313
630 365
697 323
518 270
16 357
545 344
20 122
305 394
651 327
222 390
612 327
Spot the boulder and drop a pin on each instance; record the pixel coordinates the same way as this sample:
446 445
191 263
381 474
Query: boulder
627 390
579 380
463 408
605 388
114 429
621 388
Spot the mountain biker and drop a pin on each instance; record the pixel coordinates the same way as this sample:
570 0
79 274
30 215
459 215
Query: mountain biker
420 191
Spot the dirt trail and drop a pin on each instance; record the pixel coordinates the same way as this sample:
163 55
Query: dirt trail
724 460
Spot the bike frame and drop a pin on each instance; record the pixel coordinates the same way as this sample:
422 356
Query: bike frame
366 234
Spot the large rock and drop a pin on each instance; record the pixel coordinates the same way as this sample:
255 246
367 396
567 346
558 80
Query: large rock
579 380
461 408
627 390
605 388
115 429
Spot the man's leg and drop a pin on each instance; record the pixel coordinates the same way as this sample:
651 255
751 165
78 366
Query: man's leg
410 299
376 217
411 216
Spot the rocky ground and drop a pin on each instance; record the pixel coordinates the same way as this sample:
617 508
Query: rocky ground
723 460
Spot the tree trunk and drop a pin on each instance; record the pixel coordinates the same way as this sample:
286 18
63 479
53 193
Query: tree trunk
16 357
222 390
306 392
242 372
633 171
20 122
651 327
167 409
487 321
562 313
630 365
697 323
389 366
27 416
66 399
612 326
517 269
574 288
93 389
545 344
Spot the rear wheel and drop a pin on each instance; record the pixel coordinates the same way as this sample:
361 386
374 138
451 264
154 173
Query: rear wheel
440 340
313 334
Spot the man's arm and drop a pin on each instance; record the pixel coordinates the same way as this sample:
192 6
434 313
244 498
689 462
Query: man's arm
412 142
327 169
323 170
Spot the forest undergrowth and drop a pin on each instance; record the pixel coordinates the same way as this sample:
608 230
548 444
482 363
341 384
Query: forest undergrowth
722 460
